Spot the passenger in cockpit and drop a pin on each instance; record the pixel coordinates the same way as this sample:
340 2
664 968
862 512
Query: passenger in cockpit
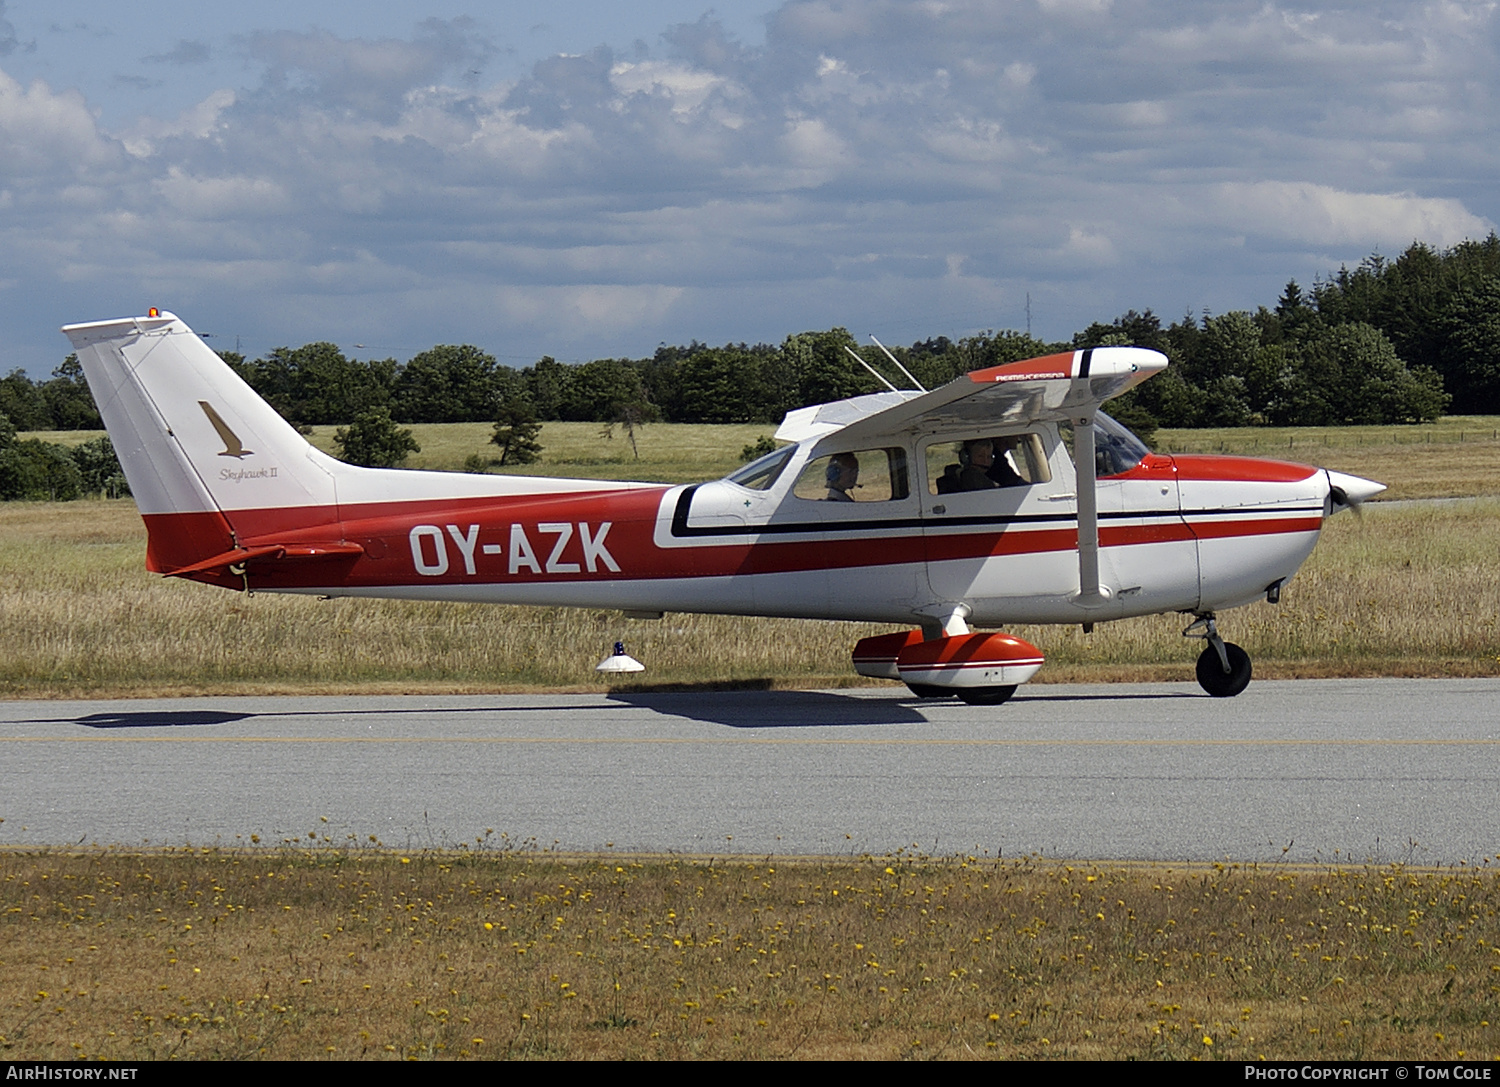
1000 473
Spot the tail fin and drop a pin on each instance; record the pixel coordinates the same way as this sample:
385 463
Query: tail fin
200 448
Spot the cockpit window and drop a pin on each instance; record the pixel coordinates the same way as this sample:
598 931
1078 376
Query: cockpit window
760 475
1116 449
986 462
865 475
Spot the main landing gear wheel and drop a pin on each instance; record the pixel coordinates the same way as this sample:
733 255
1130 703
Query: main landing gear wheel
1212 676
988 696
929 690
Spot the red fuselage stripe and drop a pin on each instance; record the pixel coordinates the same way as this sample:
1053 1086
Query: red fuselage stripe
486 530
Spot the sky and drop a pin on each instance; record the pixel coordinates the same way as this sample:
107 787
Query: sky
590 179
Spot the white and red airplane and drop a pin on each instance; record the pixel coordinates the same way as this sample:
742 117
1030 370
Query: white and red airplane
937 511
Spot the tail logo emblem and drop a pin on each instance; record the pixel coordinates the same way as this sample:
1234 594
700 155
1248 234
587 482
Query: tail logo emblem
232 446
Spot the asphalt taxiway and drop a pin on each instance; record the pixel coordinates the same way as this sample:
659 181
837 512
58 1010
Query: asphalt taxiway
1333 770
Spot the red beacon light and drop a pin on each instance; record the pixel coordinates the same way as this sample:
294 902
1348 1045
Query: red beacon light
153 312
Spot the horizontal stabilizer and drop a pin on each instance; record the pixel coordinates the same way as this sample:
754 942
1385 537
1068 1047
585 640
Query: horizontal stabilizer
275 552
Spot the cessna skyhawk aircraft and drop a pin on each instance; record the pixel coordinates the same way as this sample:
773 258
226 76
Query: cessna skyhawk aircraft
1005 496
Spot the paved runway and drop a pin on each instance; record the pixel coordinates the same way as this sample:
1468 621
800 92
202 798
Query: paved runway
1384 770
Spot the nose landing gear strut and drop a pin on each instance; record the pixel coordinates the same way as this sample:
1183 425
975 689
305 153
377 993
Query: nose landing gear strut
1223 667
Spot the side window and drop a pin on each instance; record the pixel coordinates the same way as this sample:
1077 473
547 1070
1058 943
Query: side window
985 463
864 475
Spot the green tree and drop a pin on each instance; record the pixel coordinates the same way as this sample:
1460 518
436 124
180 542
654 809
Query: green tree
822 370
546 385
516 432
763 445
38 471
315 385
727 385
451 384
68 400
374 440
22 401
1468 337
100 468
1351 374
596 391
630 417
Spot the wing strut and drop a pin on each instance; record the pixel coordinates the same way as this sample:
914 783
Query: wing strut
1090 593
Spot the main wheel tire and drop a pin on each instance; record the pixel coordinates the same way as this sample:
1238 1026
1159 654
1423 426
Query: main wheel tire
1217 682
985 696
929 690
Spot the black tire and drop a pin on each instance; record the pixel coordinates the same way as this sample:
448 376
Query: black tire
985 696
1217 682
929 690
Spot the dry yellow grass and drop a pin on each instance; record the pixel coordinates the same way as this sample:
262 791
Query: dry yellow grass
369 954
1399 592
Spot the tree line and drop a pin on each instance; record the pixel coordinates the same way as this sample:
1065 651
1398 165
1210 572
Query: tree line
1389 341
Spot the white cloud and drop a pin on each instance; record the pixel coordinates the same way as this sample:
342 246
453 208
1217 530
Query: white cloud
199 122
687 87
43 133
597 307
1075 7
221 197
1318 215
1088 249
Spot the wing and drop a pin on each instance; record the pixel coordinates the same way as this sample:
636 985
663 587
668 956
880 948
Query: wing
1056 387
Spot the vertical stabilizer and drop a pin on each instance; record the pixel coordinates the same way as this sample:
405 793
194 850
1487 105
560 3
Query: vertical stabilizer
202 451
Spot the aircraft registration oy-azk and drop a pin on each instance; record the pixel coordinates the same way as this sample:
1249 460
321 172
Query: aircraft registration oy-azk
1005 496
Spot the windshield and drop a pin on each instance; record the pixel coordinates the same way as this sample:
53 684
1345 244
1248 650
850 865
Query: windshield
1116 449
760 474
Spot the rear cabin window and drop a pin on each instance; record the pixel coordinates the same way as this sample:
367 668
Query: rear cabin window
987 463
863 475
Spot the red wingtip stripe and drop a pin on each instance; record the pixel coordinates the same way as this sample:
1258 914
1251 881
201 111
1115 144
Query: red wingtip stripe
1038 369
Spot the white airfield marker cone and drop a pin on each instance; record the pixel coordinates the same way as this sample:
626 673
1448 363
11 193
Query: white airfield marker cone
619 661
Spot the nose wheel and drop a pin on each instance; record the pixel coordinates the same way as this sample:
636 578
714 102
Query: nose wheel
1223 667
986 696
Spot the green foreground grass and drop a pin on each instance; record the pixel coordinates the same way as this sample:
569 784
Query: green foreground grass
301 954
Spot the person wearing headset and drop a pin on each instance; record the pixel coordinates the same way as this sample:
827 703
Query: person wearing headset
842 477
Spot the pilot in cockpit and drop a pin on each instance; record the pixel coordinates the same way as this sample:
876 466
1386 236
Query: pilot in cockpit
842 476
982 466
976 458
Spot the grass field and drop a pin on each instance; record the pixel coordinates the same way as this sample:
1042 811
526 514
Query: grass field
1457 456
1412 591
302 954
